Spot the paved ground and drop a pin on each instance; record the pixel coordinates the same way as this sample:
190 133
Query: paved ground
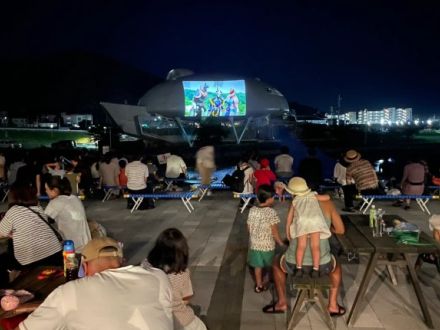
223 287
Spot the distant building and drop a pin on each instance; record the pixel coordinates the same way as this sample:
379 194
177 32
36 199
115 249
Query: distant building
386 116
19 122
75 119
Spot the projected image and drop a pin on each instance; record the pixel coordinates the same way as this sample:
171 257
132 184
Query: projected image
215 98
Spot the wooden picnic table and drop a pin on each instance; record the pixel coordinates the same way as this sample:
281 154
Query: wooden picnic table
38 282
358 239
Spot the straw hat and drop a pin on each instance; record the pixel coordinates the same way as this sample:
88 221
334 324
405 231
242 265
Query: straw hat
298 186
352 156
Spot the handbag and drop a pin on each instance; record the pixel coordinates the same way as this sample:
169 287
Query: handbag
49 223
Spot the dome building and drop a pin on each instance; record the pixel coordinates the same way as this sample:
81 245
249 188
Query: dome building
173 110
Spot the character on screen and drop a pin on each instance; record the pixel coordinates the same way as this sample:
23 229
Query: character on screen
216 104
231 104
199 100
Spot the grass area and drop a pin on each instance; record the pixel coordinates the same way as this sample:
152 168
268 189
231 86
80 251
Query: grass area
428 138
34 138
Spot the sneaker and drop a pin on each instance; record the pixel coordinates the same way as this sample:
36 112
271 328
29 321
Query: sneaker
299 273
315 274
209 193
348 209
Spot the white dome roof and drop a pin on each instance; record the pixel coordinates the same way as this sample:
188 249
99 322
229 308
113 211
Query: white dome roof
167 98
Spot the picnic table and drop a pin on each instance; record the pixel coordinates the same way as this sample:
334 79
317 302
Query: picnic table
385 250
40 281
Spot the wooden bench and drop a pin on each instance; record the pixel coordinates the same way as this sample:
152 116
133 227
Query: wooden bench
309 291
184 196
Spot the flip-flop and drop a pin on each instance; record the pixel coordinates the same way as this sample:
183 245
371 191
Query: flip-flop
259 289
270 309
341 311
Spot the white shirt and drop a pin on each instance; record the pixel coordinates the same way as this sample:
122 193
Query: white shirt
124 298
175 166
137 174
248 179
205 157
70 216
340 174
283 163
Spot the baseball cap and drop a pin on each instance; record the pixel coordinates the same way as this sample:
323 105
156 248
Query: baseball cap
94 247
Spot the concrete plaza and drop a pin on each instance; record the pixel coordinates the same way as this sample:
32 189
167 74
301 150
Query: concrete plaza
223 287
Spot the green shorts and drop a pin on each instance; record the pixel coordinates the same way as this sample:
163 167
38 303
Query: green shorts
260 259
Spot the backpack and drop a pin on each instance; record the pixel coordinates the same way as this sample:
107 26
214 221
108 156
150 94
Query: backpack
236 180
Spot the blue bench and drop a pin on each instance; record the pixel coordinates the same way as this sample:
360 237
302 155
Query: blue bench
184 196
204 188
108 191
422 200
246 198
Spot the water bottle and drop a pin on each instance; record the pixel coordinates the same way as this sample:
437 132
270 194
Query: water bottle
70 261
373 216
379 223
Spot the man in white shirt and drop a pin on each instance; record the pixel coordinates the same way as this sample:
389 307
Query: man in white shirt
137 175
284 164
109 297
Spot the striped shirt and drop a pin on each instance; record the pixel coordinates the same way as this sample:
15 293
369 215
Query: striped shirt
363 174
137 174
33 240
181 287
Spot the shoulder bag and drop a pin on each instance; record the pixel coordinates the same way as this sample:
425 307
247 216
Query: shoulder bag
56 232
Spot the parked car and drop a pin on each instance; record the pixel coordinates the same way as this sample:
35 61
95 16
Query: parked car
10 144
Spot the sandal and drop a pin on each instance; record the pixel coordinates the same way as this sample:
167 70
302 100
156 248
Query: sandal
259 289
270 309
341 311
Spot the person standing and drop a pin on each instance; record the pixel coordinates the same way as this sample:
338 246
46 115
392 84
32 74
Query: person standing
110 297
262 224
205 164
362 173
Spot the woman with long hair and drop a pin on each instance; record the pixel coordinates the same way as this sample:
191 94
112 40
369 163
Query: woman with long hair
170 253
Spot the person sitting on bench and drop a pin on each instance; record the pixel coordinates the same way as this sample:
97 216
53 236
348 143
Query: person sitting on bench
285 263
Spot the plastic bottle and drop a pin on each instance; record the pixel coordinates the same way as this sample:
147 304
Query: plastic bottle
70 261
373 216
379 222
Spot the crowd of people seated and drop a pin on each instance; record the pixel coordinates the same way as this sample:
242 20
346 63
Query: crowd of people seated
159 290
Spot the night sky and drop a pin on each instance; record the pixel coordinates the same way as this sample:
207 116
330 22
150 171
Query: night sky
373 53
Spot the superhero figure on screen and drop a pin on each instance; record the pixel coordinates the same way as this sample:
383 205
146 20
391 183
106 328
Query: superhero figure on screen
216 104
198 107
231 104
